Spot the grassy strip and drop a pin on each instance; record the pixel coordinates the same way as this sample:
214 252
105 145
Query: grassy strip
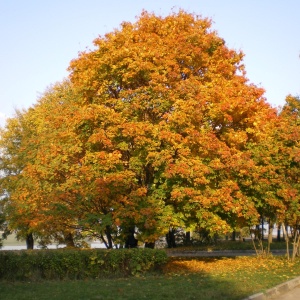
231 245
206 278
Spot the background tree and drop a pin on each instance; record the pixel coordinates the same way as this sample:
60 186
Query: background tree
275 178
289 151
34 171
13 160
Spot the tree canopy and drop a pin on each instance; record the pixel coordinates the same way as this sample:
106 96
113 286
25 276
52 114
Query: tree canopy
156 127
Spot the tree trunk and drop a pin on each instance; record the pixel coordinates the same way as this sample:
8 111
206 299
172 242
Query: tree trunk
150 245
131 241
233 236
286 240
278 232
258 235
188 238
69 240
170 237
109 237
29 241
270 235
241 238
262 228
295 244
103 240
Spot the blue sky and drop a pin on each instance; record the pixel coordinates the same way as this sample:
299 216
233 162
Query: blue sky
40 37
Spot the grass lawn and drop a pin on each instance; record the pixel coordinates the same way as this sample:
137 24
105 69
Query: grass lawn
195 278
233 245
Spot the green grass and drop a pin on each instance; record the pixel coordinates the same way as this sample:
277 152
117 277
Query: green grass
232 245
203 278
188 287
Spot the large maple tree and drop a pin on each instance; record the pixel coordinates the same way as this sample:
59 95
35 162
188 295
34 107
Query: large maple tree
186 113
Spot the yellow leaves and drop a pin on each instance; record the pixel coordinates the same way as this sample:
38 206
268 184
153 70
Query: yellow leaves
237 139
117 221
140 192
100 137
102 159
216 164
223 266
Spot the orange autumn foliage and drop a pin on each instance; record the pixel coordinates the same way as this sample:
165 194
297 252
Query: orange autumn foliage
152 131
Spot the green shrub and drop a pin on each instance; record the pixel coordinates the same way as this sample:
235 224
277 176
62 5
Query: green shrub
78 264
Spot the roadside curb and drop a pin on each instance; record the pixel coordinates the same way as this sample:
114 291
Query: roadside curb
276 291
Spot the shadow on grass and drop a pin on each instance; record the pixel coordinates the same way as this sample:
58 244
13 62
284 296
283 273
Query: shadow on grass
174 287
182 283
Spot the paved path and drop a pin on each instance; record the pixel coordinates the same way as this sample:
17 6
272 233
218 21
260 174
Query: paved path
293 294
289 290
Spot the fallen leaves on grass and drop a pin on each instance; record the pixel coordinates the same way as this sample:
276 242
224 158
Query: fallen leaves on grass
224 266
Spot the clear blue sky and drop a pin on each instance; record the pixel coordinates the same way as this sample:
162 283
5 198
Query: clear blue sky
40 37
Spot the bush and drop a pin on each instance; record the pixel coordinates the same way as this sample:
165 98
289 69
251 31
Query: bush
78 264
